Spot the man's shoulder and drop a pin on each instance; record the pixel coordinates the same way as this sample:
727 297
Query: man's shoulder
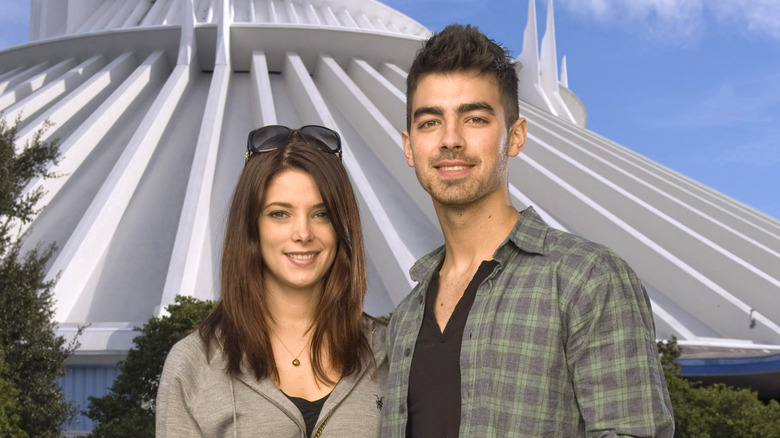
565 245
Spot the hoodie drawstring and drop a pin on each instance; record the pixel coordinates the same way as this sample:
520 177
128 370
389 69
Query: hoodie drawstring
233 399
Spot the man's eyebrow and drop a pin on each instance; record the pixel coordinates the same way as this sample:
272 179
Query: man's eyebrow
476 106
430 110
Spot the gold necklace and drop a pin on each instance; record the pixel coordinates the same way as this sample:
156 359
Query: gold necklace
295 360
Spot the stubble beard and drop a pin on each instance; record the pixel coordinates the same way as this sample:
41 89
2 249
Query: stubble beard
463 192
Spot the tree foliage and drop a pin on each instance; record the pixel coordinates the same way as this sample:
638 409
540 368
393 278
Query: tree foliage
34 354
9 407
128 409
717 410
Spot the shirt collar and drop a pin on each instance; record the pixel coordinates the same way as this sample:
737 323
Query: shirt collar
528 235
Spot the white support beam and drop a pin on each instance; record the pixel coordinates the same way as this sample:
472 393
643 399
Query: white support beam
682 332
665 198
25 108
154 15
4 76
33 84
194 219
102 82
685 198
223 34
716 309
22 76
330 16
75 149
311 14
81 254
273 17
523 199
121 15
347 19
703 254
187 41
89 25
171 15
388 99
263 108
138 13
110 14
292 13
395 75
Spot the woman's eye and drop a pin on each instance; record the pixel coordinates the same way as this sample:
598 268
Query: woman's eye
277 214
321 215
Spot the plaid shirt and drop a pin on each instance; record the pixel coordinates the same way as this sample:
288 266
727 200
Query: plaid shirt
560 342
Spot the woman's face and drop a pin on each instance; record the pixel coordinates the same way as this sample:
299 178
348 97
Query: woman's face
298 241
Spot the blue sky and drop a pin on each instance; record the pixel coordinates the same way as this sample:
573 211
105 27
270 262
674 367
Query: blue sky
692 84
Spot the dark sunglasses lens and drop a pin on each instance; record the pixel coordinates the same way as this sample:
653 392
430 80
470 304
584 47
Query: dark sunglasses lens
270 137
323 138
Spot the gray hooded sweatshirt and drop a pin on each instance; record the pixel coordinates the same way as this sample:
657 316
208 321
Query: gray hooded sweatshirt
197 398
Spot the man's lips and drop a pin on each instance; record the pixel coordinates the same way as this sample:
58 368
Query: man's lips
453 168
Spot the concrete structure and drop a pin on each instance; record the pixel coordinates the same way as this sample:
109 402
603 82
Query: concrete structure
152 101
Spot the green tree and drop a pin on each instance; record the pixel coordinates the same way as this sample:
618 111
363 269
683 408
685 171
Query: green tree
128 409
35 355
718 410
9 407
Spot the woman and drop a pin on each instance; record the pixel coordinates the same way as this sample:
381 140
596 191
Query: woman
287 351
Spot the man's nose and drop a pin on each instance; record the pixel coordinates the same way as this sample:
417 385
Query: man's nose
452 136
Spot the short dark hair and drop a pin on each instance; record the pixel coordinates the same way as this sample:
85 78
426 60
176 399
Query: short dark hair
461 48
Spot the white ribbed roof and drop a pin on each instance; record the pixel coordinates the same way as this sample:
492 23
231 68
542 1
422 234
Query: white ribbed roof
152 103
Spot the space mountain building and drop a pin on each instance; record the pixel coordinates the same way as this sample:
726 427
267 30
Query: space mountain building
152 102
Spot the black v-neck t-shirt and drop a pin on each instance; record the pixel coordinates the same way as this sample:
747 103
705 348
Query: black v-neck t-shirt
434 377
309 409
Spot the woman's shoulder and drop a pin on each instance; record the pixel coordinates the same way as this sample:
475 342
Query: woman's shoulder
188 355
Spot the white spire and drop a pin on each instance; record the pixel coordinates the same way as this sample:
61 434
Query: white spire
530 88
564 74
548 68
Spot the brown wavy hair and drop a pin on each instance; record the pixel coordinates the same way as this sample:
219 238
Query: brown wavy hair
239 322
459 48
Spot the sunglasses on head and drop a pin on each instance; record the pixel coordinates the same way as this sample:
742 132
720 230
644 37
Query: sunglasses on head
269 138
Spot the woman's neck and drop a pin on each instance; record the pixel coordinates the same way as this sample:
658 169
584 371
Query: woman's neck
291 311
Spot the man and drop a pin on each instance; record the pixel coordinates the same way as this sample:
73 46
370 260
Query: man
514 328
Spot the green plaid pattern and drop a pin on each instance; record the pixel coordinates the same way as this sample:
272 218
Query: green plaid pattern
560 342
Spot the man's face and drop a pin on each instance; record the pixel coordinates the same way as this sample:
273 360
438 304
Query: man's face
458 142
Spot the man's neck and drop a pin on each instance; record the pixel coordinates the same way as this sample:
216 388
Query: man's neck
473 233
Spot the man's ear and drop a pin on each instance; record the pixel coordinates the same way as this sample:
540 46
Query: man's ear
407 148
517 137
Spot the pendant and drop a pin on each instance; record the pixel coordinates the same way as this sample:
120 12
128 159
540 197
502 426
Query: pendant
296 362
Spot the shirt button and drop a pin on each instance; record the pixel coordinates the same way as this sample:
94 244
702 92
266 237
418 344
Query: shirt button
407 352
420 299
402 409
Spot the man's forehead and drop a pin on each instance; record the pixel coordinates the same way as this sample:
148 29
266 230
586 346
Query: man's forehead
440 88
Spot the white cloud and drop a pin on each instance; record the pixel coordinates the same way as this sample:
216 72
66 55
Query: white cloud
758 16
683 21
